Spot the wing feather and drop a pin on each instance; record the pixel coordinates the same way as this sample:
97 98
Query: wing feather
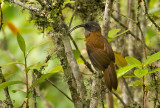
98 57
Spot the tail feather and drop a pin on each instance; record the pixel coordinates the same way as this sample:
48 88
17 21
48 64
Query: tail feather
110 77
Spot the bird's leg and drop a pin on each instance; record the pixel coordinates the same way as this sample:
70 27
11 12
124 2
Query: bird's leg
99 74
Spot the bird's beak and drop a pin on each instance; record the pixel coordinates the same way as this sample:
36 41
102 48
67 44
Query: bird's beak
82 25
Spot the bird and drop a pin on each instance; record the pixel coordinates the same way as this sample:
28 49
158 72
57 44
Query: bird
100 53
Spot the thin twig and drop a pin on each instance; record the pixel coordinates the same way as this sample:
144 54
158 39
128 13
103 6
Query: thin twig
75 10
39 75
124 16
143 42
118 97
126 85
130 32
59 89
8 98
149 17
34 90
139 26
27 81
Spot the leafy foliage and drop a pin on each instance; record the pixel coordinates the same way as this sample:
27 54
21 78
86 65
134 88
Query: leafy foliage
140 72
12 63
8 83
119 59
21 42
152 58
42 78
123 70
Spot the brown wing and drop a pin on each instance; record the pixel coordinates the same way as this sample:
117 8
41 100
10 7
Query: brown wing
108 49
98 57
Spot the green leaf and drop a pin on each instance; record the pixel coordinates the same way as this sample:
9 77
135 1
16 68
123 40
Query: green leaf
136 83
11 63
113 32
140 72
8 83
132 61
110 39
43 43
21 42
155 70
43 77
76 54
123 70
152 58
37 65
56 69
119 59
124 32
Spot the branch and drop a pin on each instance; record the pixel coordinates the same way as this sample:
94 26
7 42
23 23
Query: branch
124 16
59 89
95 92
133 35
106 17
126 85
26 6
74 43
143 41
75 10
102 93
149 17
34 78
118 97
60 50
74 66
140 29
39 75
8 98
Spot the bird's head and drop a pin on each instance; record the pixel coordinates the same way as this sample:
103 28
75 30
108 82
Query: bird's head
89 27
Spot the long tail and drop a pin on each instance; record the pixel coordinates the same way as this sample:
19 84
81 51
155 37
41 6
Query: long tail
110 77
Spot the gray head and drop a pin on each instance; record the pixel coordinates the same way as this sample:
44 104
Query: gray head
89 27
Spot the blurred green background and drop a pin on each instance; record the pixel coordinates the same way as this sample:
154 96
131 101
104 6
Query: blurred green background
34 36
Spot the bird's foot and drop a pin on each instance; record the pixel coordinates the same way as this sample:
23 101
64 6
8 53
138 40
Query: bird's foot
99 74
